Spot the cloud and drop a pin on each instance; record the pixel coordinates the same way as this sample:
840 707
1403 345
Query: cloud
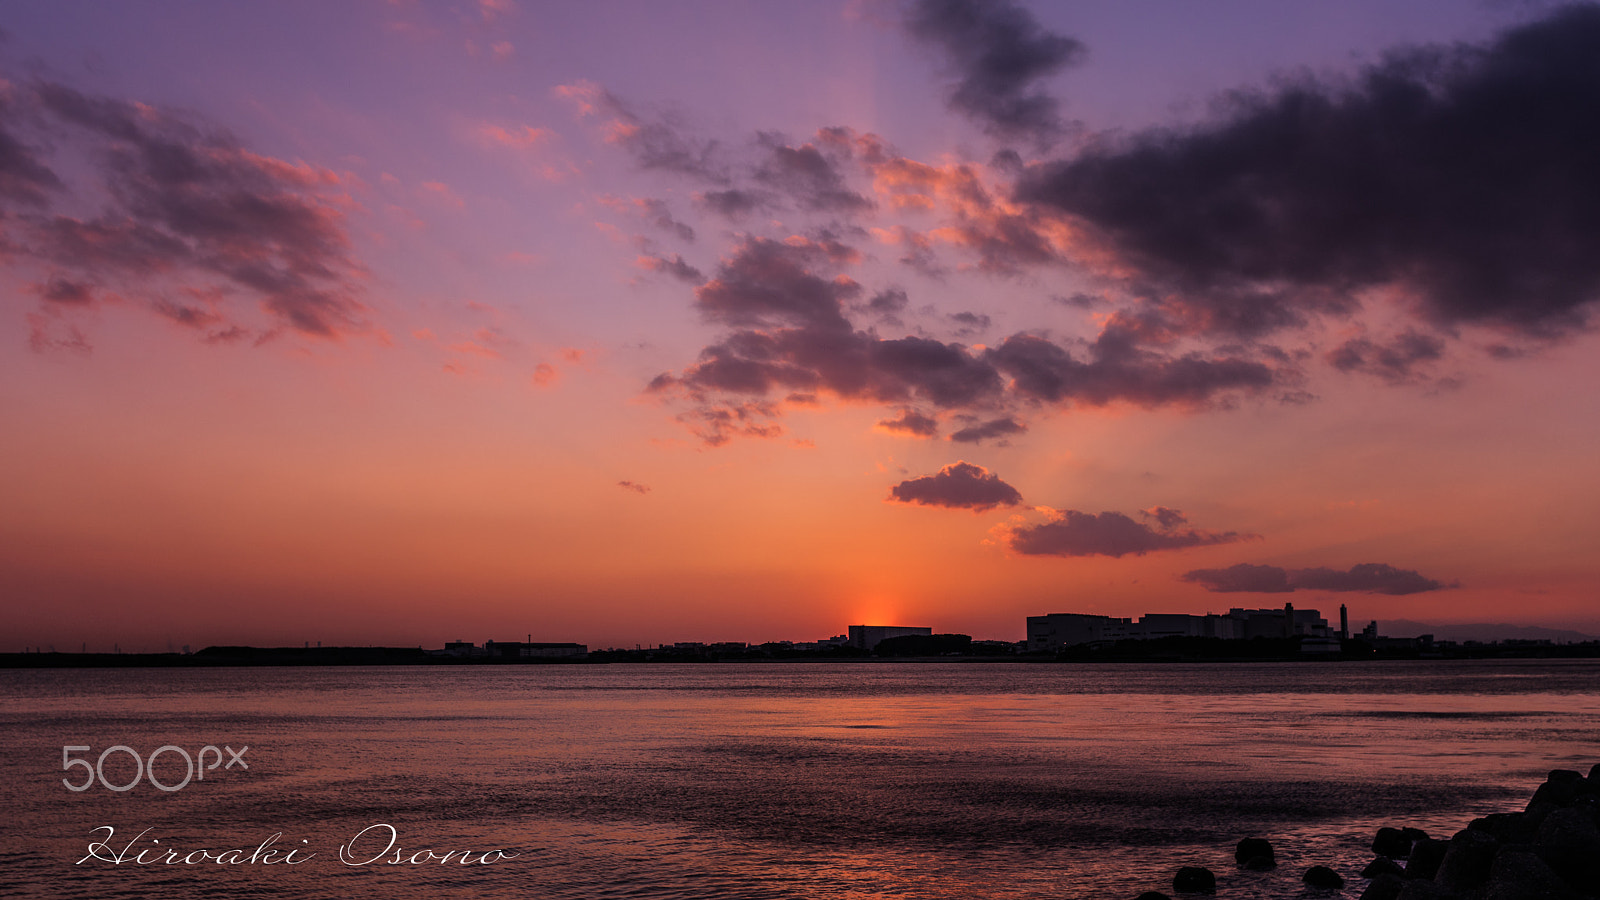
790 333
970 323
1074 533
186 206
887 303
1117 369
1165 516
188 316
912 423
985 431
733 203
1394 361
919 250
1371 578
960 485
519 137
717 423
48 334
634 487
768 282
66 291
659 143
1007 238
1242 578
658 215
24 176
998 52
809 177
1457 180
675 267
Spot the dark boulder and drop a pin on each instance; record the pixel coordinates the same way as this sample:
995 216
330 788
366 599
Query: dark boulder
1255 854
1424 890
1383 865
1569 843
1466 864
1384 887
1323 877
1561 788
1414 834
1521 875
1260 864
1507 828
1194 880
1425 859
1393 843
1536 812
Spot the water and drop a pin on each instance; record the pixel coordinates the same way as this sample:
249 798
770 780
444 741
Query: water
816 780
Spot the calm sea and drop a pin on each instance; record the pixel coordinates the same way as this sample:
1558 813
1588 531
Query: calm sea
831 780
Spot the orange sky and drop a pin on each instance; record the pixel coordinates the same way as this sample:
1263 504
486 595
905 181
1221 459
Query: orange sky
381 372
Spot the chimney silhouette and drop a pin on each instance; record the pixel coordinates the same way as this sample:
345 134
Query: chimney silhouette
1344 623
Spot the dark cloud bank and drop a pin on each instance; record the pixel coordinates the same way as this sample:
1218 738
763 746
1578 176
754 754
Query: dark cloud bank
960 485
1372 578
1464 176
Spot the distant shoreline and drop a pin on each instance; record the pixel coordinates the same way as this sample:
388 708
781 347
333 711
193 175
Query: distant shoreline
1165 651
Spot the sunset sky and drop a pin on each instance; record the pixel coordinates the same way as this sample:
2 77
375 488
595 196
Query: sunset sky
629 322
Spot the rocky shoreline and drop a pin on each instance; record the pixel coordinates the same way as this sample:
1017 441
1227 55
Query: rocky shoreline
1548 851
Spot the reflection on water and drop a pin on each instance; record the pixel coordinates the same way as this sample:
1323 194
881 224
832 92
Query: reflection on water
824 780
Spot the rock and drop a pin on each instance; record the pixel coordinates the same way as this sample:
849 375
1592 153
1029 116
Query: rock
1153 895
1425 858
1537 811
1383 865
1521 875
1194 880
1508 828
1466 863
1417 889
1414 834
1569 843
1252 851
1392 842
1561 788
1260 864
1323 877
1594 772
1384 887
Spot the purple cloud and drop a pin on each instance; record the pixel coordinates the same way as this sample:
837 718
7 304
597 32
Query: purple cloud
1074 533
1371 578
792 334
913 423
998 52
988 431
185 203
960 485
